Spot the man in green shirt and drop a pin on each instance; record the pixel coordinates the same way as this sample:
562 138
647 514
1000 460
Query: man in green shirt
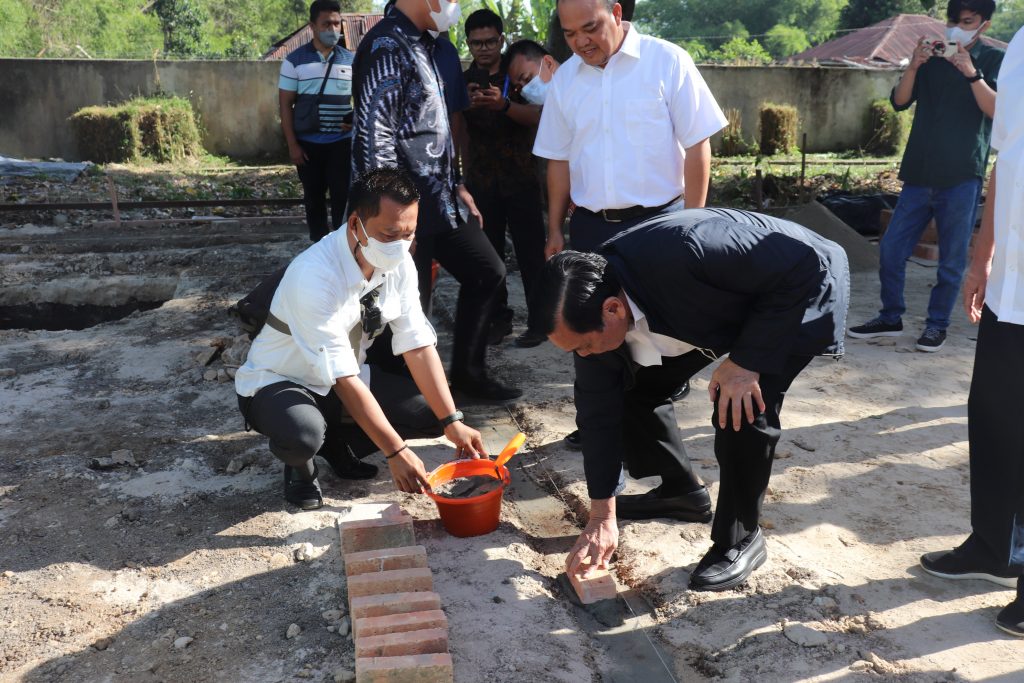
943 166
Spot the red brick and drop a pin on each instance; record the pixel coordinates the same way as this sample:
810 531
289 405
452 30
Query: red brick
598 586
434 668
393 603
373 534
423 642
385 559
400 623
393 581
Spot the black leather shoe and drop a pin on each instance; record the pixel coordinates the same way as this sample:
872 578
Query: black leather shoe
348 466
528 339
573 441
306 494
721 570
694 506
682 392
485 389
1011 618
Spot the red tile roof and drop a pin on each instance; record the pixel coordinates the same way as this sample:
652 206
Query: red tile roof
353 26
884 45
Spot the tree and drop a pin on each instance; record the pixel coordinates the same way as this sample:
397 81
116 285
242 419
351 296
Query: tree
861 13
182 23
1007 20
740 51
785 41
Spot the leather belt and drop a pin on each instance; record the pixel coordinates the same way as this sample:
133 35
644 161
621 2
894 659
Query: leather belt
630 212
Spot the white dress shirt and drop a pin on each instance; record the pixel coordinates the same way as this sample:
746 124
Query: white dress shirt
319 301
623 128
646 347
1005 291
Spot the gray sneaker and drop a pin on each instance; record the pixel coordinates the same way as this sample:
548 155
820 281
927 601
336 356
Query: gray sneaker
876 328
931 340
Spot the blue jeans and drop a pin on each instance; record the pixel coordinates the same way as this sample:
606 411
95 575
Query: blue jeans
954 210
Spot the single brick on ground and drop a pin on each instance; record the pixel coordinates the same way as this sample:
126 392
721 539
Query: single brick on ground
374 534
385 559
432 668
598 586
422 642
393 581
370 606
400 623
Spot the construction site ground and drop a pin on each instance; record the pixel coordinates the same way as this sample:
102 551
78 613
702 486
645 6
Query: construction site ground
111 561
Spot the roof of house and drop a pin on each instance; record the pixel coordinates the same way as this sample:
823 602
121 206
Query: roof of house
353 26
885 45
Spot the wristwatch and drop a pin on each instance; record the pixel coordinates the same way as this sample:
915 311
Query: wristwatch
976 77
457 416
508 104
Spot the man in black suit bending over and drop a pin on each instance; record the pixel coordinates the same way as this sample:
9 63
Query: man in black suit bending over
653 306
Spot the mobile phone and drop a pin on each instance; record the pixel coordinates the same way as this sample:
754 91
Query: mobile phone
941 48
480 77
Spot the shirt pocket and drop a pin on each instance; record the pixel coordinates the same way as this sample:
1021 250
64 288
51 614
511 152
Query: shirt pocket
647 122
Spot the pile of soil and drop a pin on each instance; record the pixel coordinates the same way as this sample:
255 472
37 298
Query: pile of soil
468 487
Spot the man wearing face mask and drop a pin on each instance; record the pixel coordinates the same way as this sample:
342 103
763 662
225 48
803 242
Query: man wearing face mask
304 382
401 120
500 168
530 69
942 169
314 95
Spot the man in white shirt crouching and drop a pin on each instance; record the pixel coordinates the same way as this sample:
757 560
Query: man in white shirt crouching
306 373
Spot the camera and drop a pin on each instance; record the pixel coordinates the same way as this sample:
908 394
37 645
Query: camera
941 48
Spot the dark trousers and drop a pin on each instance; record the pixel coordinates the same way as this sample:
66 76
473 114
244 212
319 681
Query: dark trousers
520 214
653 446
301 423
327 170
467 254
996 437
588 230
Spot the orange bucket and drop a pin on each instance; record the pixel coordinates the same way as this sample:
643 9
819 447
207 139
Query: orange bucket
474 516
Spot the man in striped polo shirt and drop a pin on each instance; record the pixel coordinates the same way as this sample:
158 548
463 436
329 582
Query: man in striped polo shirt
316 109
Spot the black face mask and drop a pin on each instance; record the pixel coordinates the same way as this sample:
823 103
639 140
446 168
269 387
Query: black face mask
370 315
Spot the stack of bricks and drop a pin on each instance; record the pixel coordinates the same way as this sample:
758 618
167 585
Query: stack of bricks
400 632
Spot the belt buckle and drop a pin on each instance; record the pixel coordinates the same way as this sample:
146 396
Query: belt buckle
604 215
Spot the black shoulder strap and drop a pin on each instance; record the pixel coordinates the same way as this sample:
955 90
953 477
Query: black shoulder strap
327 76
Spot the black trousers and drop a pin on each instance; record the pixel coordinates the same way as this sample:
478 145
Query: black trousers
301 423
327 170
467 254
519 213
996 436
588 230
653 445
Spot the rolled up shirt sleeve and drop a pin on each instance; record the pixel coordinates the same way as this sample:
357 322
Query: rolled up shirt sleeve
411 329
694 111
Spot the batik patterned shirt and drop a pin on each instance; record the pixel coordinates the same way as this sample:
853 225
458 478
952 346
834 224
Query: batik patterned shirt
401 119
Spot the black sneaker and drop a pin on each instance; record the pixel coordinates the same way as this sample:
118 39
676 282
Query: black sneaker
298 491
876 328
346 465
931 340
573 440
965 562
1011 618
485 389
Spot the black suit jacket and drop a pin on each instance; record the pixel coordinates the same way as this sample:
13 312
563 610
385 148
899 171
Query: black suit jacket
759 288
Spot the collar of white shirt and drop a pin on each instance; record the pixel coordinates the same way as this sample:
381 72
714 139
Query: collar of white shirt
646 347
630 47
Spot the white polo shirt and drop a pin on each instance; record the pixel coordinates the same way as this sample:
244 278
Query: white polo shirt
1005 291
318 299
647 348
623 128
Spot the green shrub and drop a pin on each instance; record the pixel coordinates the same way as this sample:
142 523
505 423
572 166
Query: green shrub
779 123
889 129
733 143
159 128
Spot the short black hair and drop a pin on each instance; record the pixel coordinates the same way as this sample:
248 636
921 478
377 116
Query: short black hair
530 49
575 285
320 6
367 190
484 18
986 8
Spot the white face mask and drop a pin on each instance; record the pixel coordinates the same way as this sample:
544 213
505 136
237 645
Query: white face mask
447 17
536 91
955 34
383 256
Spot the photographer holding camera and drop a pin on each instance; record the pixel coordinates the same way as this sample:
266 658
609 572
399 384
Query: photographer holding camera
943 165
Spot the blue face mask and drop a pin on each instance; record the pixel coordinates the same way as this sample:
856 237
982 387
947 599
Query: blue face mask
536 91
329 38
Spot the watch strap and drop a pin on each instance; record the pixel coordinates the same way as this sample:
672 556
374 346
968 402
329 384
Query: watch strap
457 416
976 77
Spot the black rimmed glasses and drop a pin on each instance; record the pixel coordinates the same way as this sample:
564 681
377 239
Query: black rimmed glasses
487 44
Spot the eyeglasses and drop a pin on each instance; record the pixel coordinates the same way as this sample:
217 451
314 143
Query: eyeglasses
369 314
488 44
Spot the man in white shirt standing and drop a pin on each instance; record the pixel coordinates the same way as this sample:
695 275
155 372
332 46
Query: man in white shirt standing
626 128
994 296
306 369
